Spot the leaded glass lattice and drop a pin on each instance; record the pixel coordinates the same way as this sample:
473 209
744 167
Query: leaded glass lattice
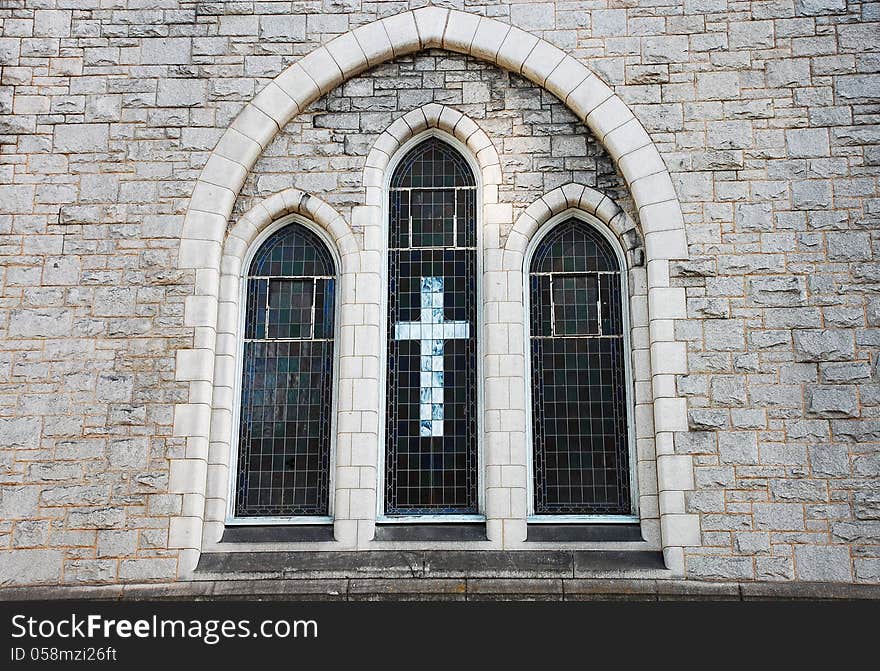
431 428
581 446
283 465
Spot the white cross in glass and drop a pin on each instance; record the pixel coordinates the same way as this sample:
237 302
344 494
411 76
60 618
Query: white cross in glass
432 331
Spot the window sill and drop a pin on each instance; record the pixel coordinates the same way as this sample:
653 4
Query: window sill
583 533
431 532
277 533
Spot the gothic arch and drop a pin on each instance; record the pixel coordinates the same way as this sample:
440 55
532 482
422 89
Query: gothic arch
608 118
241 241
657 357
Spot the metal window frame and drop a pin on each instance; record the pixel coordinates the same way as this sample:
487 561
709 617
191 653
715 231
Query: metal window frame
552 276
232 469
393 163
269 279
629 380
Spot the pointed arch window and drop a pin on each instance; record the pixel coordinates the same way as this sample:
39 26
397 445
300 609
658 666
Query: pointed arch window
580 437
431 423
283 456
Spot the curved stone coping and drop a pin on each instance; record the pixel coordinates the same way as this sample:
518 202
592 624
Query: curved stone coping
281 204
427 117
580 197
594 103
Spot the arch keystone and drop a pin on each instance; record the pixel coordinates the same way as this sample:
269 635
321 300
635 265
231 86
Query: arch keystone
431 24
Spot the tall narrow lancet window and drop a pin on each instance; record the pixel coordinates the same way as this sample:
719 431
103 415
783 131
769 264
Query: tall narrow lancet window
283 467
580 436
431 428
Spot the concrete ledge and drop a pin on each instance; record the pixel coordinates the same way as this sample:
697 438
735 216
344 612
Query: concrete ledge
449 589
520 564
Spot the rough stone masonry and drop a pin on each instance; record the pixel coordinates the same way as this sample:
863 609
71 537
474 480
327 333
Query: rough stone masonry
765 114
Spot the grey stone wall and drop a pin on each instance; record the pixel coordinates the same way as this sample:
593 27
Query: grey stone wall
765 113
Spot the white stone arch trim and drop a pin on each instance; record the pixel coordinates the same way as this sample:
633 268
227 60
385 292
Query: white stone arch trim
303 82
664 477
221 179
583 198
431 116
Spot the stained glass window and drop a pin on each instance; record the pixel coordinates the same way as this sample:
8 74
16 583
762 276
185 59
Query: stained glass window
580 439
431 428
283 465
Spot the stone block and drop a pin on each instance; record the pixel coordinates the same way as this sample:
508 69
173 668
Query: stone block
850 246
798 490
80 138
30 567
807 142
729 134
717 85
774 568
52 23
866 504
608 22
716 567
89 571
780 291
724 335
859 431
114 301
30 533
283 28
820 7
18 502
859 88
665 49
533 16
729 390
823 563
829 461
752 217
701 419
97 518
823 345
779 516
20 432
40 323
751 35
147 569
829 401
738 447
166 50
113 543
174 92
751 542
813 194
128 452
859 371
